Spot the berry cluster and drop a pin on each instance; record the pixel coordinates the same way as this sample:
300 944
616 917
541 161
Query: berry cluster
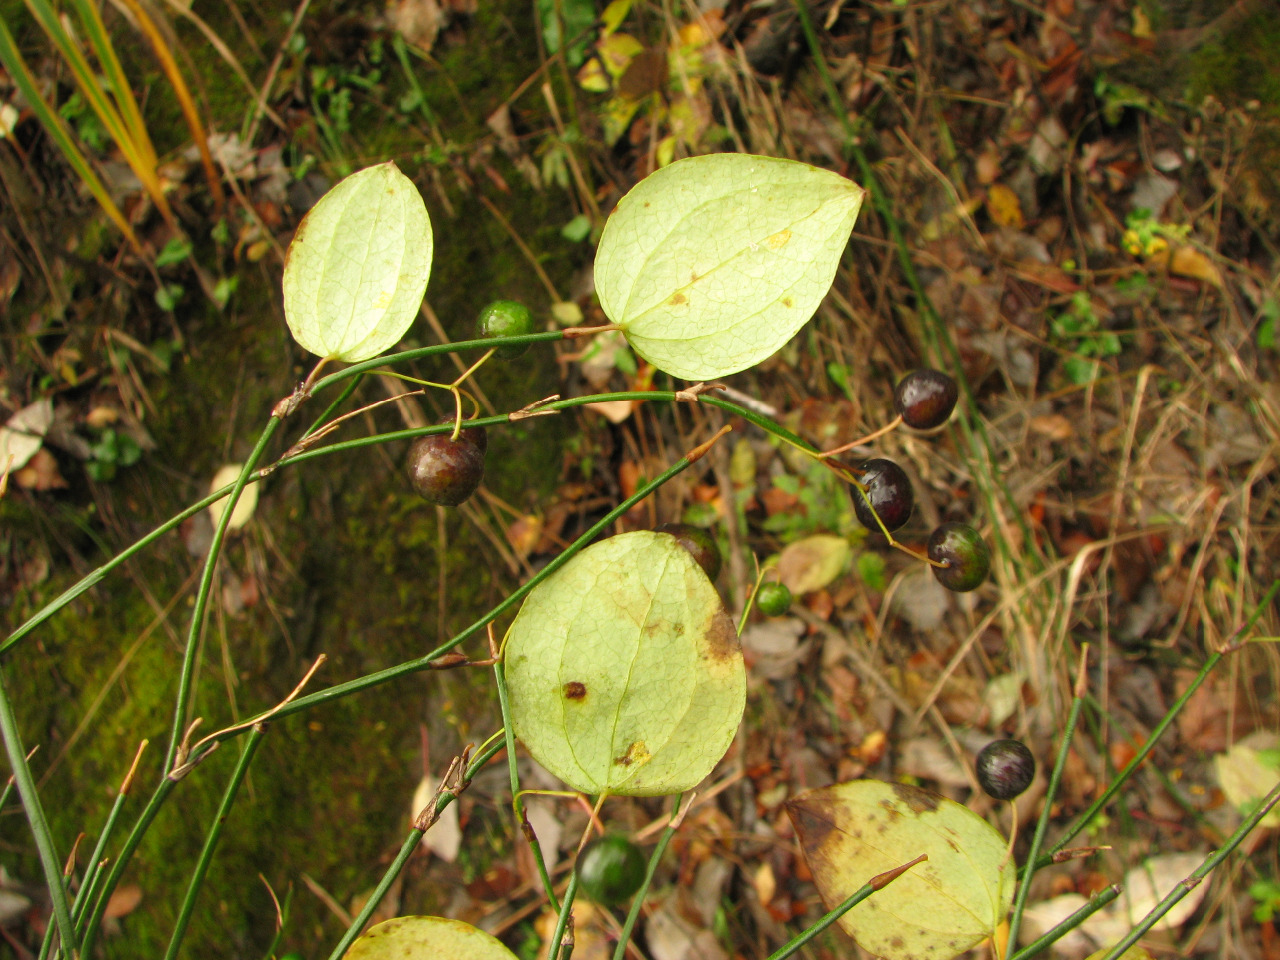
882 497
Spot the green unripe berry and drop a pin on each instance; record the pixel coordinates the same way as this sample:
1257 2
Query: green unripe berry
505 318
964 554
610 869
773 599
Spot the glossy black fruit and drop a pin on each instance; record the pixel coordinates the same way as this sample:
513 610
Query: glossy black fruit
610 869
447 471
773 599
505 318
1005 768
889 491
964 551
925 398
698 542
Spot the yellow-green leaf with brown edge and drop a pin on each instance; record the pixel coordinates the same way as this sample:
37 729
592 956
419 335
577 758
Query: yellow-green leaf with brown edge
853 831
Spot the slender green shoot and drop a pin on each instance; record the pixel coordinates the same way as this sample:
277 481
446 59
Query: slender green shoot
637 901
564 918
1055 780
878 882
30 796
1186 886
182 702
211 840
1060 930
517 801
93 872
487 753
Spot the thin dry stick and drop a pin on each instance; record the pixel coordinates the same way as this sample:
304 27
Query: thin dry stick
524 248
260 106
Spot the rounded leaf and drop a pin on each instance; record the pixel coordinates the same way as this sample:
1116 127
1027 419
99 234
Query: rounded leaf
427 938
624 669
248 502
711 264
358 265
851 832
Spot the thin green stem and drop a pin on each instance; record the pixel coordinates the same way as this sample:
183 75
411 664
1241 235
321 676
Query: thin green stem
406 851
827 919
562 920
1202 871
517 802
1042 825
425 663
93 872
30 797
637 901
1144 751
211 840
182 702
1060 930
338 401
122 861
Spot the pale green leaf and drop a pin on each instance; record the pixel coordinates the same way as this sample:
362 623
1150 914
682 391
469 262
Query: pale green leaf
851 832
711 264
1247 773
625 673
427 938
248 502
358 265
1133 953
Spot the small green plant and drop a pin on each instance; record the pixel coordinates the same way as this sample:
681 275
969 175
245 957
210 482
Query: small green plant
1080 334
621 672
1266 894
113 450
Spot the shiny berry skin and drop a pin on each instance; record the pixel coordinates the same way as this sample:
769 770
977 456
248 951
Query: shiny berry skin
889 491
1005 768
699 542
964 551
773 599
925 398
610 869
505 318
446 471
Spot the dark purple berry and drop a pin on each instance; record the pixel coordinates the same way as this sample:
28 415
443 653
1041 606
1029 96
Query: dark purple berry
925 398
889 493
505 318
1005 768
447 471
965 553
699 542
773 599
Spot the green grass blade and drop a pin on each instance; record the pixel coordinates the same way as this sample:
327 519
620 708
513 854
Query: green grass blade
56 127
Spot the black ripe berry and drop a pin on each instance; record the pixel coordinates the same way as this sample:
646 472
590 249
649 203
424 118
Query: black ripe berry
447 471
773 599
610 869
965 553
505 318
889 493
698 542
1005 768
925 398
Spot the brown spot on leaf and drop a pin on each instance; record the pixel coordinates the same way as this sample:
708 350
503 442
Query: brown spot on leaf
573 690
637 752
788 302
918 800
678 299
813 825
722 639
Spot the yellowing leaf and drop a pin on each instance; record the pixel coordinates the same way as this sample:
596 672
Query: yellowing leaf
427 938
1190 262
1248 771
1004 206
812 563
358 265
854 831
624 670
245 506
23 434
711 264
